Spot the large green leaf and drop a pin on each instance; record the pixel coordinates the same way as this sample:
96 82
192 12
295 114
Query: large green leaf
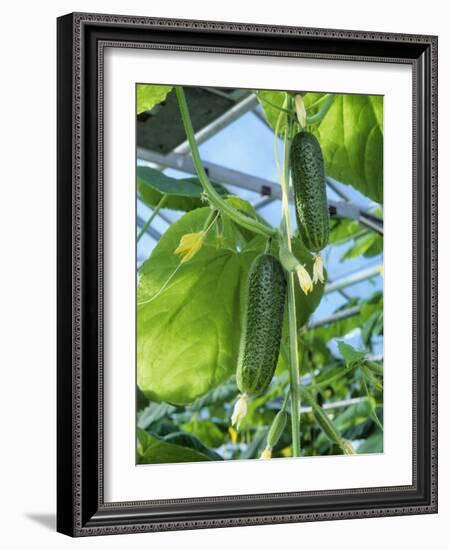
149 96
154 450
182 194
188 336
351 137
350 134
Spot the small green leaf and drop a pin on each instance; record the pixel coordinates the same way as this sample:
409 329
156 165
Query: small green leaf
373 326
376 248
369 245
182 194
154 450
149 96
350 354
343 229
356 414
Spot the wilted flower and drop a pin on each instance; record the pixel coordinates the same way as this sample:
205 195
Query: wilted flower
300 110
139 278
318 270
266 453
189 245
305 282
347 447
240 410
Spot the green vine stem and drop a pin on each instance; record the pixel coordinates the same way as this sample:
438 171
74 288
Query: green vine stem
374 416
323 420
318 101
318 117
147 224
292 324
326 424
278 107
375 367
215 199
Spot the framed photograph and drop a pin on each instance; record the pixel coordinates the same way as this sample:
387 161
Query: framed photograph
247 281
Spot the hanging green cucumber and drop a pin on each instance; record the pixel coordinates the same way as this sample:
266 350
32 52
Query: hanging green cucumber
309 187
274 433
262 330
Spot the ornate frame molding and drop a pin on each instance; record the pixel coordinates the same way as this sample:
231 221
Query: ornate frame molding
81 509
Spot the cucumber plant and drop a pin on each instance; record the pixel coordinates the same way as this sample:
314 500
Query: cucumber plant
242 291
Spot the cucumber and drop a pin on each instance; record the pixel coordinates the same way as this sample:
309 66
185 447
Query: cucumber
276 428
262 327
309 187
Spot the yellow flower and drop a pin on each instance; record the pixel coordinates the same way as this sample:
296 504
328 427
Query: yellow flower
305 282
300 110
318 271
189 245
266 453
233 435
381 270
240 410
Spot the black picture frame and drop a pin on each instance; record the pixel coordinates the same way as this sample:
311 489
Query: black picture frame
81 510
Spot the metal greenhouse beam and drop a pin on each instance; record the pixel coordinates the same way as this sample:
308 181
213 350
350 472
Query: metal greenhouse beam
153 233
261 186
335 405
334 185
240 108
216 172
338 316
353 278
